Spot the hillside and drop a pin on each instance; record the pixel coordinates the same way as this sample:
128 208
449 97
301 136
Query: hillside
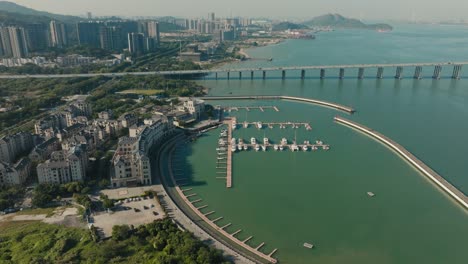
339 21
288 25
25 11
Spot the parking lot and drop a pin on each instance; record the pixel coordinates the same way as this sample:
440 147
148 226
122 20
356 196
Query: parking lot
135 211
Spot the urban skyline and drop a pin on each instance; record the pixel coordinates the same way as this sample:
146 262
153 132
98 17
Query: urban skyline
362 9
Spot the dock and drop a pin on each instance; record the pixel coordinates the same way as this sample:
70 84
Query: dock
281 125
229 155
249 108
260 246
451 190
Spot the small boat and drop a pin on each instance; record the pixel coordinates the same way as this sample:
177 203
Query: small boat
259 125
314 148
257 147
246 125
308 127
307 245
246 147
306 142
221 149
266 141
270 126
276 147
264 148
326 147
281 148
294 147
253 141
319 142
284 141
305 148
233 148
239 147
221 158
371 194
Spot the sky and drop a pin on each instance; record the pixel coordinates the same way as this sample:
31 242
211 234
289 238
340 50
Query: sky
428 10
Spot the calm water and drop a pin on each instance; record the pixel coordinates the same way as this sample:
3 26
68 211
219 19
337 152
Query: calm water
286 199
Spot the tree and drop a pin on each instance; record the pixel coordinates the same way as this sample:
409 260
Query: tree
120 232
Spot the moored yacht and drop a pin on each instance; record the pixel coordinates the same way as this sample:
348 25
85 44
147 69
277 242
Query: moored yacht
305 148
284 141
246 147
266 141
257 147
264 148
276 147
246 125
259 125
253 141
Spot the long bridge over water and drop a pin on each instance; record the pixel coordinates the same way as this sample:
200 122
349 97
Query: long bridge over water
230 73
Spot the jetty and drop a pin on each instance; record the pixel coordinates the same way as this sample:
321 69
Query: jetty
229 124
249 108
451 190
335 106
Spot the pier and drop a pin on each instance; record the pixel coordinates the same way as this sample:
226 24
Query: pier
280 124
249 108
335 106
213 225
451 190
229 155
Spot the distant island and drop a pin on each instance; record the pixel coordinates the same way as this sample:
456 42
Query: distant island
340 22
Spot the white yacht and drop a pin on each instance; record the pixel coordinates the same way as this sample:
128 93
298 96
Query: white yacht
305 148
264 148
221 149
326 147
266 141
233 145
259 125
306 142
284 141
281 147
257 147
314 148
246 125
318 142
246 147
275 147
253 141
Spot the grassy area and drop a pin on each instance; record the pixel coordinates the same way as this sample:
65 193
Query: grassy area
158 242
142 92
39 211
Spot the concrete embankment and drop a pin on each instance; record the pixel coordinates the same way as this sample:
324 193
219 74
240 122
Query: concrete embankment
413 160
335 106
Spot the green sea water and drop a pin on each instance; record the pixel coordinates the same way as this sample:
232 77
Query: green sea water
285 199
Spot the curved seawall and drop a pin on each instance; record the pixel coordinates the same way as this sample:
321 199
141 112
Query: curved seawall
426 170
335 106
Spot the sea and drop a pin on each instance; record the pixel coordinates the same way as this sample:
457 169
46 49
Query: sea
286 199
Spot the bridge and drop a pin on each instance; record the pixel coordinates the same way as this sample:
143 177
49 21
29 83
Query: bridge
456 66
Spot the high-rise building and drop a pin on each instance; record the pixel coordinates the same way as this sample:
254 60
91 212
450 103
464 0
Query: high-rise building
88 33
37 36
136 43
153 31
211 16
58 34
111 38
14 42
126 27
89 15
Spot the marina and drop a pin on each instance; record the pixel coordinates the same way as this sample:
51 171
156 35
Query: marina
281 125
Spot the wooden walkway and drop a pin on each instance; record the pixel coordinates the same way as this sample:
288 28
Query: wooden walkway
248 108
426 170
229 155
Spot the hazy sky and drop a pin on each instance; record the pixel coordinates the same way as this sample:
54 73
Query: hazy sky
364 9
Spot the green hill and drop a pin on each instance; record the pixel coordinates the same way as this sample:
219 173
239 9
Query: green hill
25 11
282 26
339 21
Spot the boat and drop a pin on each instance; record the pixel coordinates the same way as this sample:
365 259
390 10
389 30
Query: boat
326 147
221 158
314 148
308 127
306 142
234 123
371 194
305 148
276 147
246 125
281 147
253 141
270 126
308 245
294 147
221 149
233 145
246 147
266 141
259 125
319 142
239 147
223 134
284 141
233 148
264 148
257 147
